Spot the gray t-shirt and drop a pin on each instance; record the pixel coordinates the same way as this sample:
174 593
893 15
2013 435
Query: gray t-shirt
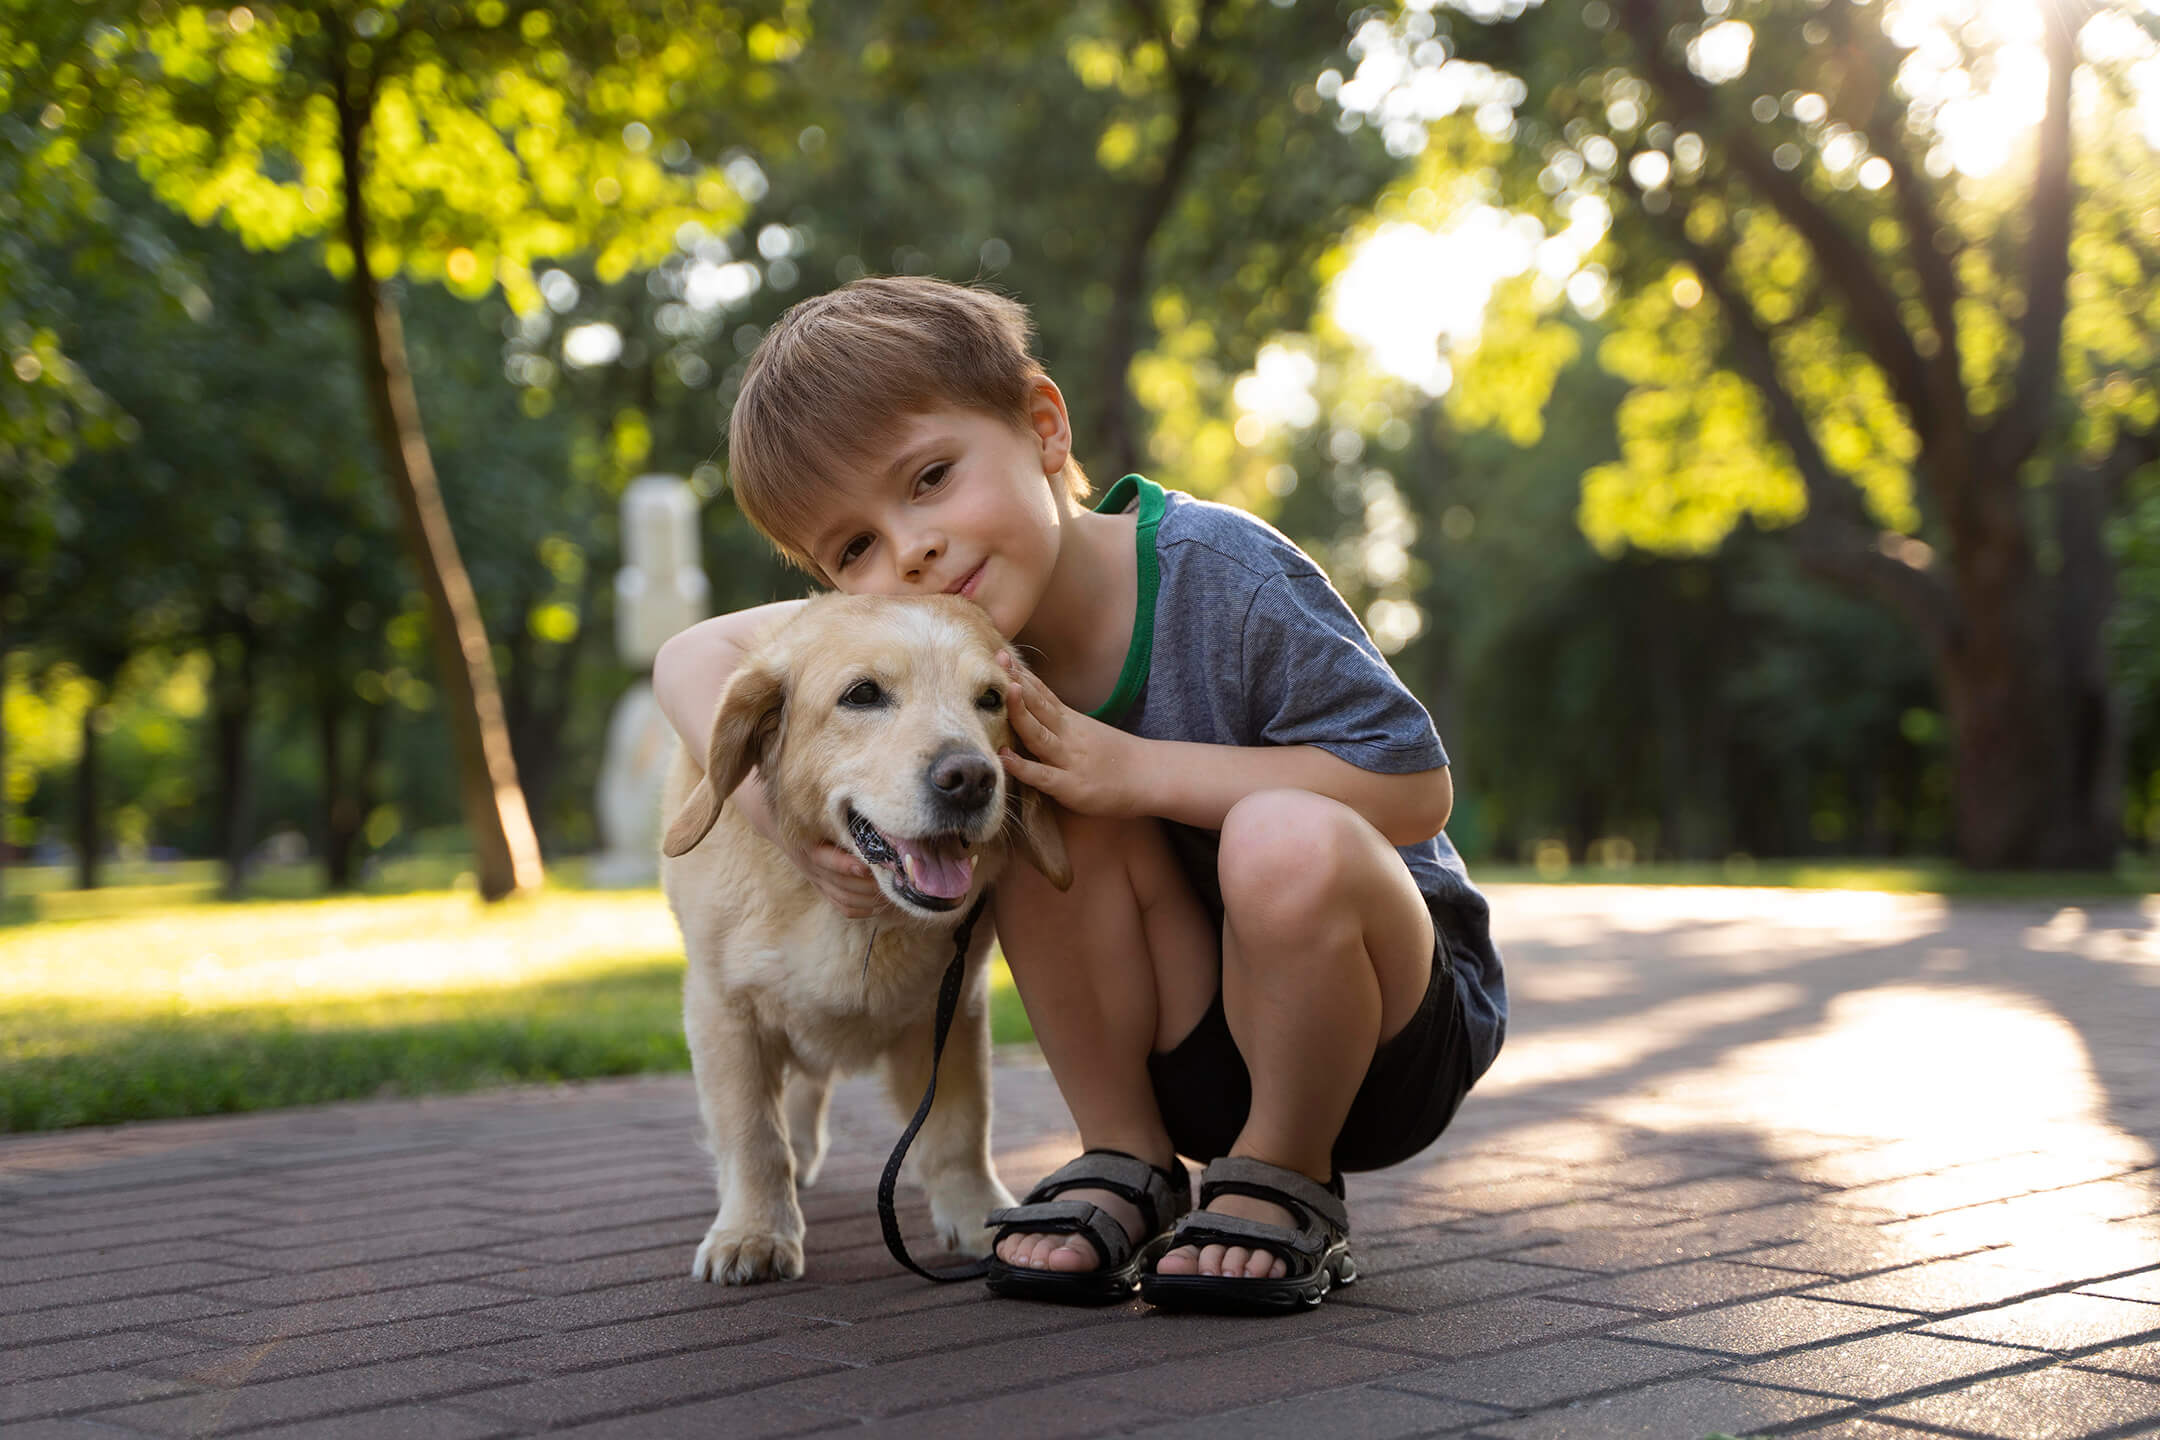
1240 639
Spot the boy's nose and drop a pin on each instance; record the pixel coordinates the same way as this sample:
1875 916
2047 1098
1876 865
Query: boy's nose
920 557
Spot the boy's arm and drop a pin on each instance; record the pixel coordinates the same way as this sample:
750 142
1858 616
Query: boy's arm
692 669
690 672
1097 769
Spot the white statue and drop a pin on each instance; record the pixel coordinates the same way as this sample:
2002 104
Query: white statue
659 590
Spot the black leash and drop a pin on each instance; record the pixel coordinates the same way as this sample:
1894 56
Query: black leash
948 1002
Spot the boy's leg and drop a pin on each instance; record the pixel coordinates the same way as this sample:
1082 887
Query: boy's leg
1122 964
1327 949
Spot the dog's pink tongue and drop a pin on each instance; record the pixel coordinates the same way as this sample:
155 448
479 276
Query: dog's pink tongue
935 870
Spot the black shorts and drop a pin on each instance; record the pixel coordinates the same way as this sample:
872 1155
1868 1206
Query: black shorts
1417 1078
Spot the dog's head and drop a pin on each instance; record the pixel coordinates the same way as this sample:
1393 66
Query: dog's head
876 724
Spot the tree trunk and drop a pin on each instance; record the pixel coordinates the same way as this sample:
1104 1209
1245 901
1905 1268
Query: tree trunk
2034 731
87 841
233 684
348 792
340 819
506 853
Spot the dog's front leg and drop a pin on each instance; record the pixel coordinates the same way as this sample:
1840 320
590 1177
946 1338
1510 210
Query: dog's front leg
952 1151
758 1233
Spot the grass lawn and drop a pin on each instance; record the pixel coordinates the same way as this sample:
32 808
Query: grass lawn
157 1001
152 998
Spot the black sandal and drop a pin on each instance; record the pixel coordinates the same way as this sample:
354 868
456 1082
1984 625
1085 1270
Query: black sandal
1160 1195
1315 1255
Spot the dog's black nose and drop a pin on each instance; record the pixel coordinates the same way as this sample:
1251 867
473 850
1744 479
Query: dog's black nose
966 779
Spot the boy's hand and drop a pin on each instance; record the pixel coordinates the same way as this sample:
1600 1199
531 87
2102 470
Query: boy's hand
839 875
1083 764
841 878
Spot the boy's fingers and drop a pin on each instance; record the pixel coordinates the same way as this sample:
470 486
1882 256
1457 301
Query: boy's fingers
833 858
1026 771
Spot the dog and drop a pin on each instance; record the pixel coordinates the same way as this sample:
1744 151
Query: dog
875 724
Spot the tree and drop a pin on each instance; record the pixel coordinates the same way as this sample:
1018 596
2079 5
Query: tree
1933 384
455 142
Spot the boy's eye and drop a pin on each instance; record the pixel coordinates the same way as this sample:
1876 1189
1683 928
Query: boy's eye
852 551
863 695
931 478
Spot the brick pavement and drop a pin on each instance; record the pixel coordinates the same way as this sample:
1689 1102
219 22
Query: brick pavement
1752 1162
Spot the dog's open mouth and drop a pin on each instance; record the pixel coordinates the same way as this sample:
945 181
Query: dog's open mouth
934 872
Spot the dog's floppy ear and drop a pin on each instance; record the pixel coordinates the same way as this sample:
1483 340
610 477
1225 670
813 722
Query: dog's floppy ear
1040 841
743 729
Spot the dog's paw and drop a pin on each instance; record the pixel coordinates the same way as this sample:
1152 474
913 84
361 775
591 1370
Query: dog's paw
959 1211
739 1257
807 1167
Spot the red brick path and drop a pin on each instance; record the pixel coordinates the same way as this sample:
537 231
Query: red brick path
1752 1162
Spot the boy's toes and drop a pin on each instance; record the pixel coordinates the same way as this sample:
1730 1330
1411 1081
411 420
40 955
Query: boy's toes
1251 1264
1046 1252
1184 1260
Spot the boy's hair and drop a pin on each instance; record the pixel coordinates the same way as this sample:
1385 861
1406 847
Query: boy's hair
839 372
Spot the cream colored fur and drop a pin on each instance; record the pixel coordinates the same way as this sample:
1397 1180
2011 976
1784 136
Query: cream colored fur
783 991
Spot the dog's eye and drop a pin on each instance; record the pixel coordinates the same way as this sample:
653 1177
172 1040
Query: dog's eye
863 694
992 699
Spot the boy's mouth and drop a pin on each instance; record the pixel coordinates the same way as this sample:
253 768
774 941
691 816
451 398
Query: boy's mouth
934 872
965 585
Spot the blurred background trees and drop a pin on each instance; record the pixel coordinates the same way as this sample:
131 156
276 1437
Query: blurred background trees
1740 437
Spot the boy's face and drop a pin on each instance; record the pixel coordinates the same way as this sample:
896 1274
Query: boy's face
960 502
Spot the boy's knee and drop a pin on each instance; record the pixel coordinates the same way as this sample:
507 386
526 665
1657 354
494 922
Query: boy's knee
1288 856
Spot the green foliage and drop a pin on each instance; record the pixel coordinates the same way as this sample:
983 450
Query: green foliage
1698 453
501 134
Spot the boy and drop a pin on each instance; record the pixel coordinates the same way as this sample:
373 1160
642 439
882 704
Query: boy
1270 959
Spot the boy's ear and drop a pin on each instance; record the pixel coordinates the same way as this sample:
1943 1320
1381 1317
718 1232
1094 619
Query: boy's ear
1041 842
746 732
1052 426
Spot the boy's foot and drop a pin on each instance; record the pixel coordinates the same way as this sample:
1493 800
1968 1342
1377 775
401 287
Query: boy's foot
1225 1257
1233 1260
1087 1233
1072 1253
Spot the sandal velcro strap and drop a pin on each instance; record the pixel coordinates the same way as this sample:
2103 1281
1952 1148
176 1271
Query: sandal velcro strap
1241 1175
1298 1246
1160 1195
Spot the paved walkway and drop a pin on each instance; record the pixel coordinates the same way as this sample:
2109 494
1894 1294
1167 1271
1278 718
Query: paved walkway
1752 1162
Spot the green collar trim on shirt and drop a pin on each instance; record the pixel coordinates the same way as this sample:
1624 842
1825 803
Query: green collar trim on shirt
1136 492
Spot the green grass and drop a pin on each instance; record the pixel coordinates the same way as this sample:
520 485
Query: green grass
162 1007
150 999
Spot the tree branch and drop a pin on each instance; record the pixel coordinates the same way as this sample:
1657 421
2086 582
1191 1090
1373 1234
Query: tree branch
1834 538
2047 261
1129 289
1914 197
1870 304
